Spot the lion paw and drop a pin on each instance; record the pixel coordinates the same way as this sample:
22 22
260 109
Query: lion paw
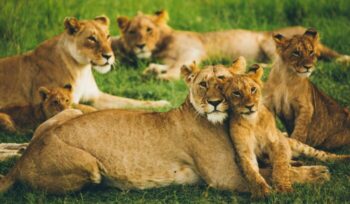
344 59
155 69
261 191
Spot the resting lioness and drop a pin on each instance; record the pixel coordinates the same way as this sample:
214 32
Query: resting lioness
65 59
308 114
139 150
146 36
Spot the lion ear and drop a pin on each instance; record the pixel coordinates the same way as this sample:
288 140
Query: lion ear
238 65
279 39
68 87
189 72
104 20
312 33
256 72
72 25
44 92
123 22
162 17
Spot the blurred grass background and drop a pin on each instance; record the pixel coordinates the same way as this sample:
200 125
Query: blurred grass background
26 23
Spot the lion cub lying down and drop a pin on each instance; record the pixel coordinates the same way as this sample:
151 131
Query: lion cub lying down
309 115
27 117
254 134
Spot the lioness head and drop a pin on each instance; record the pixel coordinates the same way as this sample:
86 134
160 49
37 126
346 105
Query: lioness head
88 42
243 92
205 92
55 100
299 52
141 34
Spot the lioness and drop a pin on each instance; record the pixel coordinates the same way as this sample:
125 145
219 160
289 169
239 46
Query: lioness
65 59
254 134
139 150
309 115
146 36
28 117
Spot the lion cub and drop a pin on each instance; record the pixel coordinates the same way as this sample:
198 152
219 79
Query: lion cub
308 114
27 117
254 134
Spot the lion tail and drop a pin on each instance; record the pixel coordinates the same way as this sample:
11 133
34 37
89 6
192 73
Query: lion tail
299 148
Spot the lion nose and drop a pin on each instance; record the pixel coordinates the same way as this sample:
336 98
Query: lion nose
249 107
106 56
141 46
307 66
215 103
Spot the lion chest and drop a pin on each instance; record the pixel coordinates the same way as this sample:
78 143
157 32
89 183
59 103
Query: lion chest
85 88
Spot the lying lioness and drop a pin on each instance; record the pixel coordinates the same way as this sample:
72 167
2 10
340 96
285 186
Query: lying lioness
65 59
308 114
139 150
146 36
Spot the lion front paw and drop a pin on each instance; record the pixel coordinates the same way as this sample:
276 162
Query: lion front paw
344 59
284 188
262 190
155 69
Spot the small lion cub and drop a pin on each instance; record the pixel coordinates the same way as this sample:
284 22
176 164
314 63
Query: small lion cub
254 133
26 118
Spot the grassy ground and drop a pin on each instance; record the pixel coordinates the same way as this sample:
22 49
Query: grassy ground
24 24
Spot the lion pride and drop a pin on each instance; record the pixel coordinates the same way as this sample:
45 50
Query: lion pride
146 36
67 58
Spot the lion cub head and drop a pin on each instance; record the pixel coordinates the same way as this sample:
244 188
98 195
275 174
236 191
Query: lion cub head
205 91
88 41
300 52
141 34
243 92
55 100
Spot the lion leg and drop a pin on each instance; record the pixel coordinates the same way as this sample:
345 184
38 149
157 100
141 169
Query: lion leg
105 101
302 174
6 123
57 167
281 156
337 140
84 108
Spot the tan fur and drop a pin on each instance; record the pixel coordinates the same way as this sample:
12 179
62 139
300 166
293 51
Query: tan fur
254 134
28 117
309 115
65 59
139 150
146 36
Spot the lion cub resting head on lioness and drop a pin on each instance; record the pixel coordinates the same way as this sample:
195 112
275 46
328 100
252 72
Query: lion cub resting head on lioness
254 133
28 117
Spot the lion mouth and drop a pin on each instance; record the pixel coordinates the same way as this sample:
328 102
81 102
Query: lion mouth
95 64
248 113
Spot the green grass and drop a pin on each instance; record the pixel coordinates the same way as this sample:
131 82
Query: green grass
24 24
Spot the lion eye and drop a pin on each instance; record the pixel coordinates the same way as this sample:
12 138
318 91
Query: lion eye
221 77
312 53
253 90
149 30
203 84
296 54
92 39
237 93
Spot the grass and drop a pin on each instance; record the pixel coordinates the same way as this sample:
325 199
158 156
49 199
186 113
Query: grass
24 24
